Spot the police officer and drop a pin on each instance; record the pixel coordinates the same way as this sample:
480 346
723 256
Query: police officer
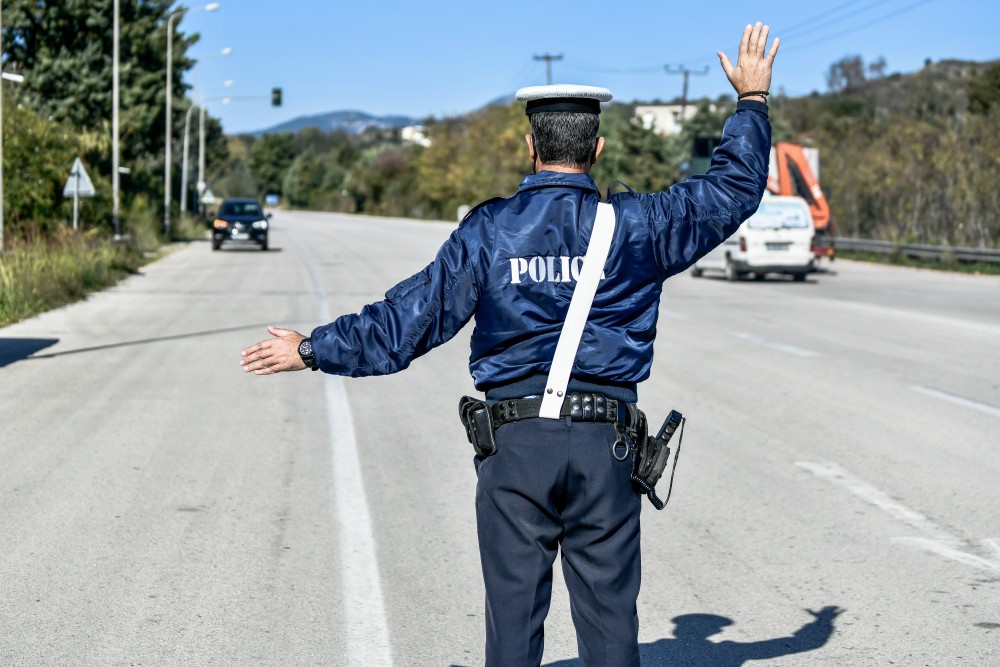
556 484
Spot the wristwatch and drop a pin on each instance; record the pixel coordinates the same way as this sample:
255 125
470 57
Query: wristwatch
306 352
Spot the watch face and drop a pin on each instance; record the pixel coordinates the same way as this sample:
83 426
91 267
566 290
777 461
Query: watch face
305 348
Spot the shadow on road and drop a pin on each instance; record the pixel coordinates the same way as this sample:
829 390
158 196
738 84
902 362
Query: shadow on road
15 349
248 248
21 348
770 280
690 644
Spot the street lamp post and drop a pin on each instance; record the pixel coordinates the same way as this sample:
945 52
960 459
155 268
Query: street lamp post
184 163
187 134
201 185
168 162
114 125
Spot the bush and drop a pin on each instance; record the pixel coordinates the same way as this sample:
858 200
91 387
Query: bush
46 273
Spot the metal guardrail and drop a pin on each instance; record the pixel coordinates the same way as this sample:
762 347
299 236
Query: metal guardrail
918 250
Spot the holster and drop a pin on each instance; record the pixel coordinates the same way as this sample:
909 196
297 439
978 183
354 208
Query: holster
650 458
477 418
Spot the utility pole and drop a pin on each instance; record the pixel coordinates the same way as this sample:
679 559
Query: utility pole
184 167
114 126
168 158
686 72
201 185
548 58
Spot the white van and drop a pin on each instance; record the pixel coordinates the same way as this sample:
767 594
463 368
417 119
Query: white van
776 239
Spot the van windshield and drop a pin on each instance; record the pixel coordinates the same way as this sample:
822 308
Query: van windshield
780 215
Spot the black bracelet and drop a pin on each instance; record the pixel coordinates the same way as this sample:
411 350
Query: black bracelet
754 93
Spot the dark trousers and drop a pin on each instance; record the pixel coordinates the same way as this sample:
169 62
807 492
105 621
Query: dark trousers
555 484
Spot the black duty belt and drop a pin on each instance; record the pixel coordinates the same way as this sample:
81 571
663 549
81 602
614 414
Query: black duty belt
649 455
586 407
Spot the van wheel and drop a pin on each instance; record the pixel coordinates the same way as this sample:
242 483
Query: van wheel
697 273
759 276
731 273
799 277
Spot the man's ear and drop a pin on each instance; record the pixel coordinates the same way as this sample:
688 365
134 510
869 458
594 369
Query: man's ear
530 140
597 150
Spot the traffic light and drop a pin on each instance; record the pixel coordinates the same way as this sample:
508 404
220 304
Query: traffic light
276 97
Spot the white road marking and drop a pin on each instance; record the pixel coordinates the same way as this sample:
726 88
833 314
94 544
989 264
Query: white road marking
994 545
937 540
951 551
957 400
774 345
367 629
924 317
874 496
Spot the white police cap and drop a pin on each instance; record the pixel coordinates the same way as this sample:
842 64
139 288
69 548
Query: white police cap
563 97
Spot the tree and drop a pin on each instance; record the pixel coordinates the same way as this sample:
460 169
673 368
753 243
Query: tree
876 70
984 90
846 74
270 158
303 180
65 48
37 159
636 156
473 158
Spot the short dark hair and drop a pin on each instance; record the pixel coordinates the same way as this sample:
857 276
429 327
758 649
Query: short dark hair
564 138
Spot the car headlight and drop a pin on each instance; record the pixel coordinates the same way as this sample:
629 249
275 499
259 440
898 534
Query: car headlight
260 224
220 224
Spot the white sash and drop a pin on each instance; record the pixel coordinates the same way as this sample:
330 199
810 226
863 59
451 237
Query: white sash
579 309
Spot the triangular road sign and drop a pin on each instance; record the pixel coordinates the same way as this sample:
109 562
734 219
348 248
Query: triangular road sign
79 182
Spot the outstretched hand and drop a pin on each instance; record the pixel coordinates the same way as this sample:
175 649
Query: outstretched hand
753 69
274 355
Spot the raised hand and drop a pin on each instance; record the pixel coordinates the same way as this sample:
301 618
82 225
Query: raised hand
753 68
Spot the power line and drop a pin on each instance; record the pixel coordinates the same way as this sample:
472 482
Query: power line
591 67
801 30
814 26
792 29
861 26
522 77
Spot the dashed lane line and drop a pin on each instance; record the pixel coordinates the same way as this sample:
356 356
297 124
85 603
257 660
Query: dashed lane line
936 539
957 400
775 345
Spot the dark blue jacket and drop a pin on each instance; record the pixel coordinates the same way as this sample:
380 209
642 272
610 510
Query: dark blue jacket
512 264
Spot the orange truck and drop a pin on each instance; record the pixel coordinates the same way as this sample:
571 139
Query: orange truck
794 172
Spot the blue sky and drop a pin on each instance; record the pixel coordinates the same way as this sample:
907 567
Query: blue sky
446 57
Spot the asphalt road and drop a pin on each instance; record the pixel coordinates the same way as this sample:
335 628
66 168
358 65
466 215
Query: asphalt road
160 507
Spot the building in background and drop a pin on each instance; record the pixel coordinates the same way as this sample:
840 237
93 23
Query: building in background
415 134
665 119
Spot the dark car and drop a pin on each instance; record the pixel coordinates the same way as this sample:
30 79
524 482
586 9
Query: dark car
240 220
